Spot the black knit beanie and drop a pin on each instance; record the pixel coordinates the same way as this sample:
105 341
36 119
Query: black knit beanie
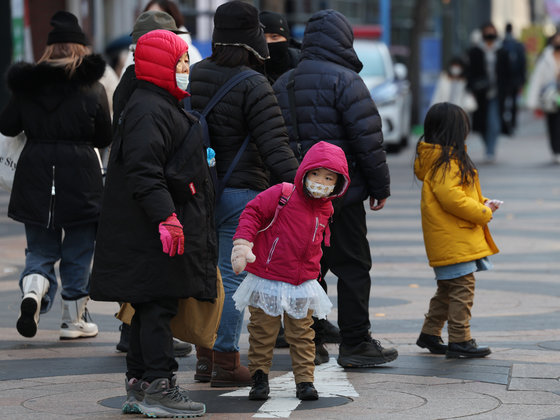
66 29
237 23
275 23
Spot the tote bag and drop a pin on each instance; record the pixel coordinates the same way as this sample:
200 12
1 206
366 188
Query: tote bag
196 321
10 149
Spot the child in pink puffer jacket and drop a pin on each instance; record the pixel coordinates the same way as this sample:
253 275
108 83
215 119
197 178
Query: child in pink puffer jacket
280 246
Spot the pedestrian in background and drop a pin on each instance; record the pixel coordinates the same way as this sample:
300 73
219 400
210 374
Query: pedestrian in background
283 249
238 44
488 70
330 102
140 218
543 95
63 110
455 217
170 7
517 76
146 22
451 86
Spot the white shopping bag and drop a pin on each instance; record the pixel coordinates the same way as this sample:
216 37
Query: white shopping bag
10 149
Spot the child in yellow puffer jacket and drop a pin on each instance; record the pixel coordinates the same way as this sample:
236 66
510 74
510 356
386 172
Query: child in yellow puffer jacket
455 217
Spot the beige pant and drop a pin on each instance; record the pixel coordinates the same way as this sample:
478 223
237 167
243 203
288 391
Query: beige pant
452 303
263 330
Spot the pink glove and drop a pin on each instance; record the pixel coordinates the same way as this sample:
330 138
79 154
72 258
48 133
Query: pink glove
241 254
171 236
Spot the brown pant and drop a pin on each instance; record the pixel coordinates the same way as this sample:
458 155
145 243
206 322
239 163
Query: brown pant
452 303
263 330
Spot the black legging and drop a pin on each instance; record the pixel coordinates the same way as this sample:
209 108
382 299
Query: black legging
553 127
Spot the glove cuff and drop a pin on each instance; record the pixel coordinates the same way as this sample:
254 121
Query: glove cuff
240 241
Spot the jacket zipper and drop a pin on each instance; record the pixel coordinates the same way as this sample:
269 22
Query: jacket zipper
316 228
272 250
51 203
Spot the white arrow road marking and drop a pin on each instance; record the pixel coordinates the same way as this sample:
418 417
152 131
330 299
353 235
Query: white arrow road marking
330 381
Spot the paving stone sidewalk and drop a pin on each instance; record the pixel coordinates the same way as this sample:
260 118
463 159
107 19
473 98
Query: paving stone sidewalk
516 313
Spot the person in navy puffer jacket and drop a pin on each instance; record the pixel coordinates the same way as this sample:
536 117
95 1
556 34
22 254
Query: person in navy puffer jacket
284 264
332 103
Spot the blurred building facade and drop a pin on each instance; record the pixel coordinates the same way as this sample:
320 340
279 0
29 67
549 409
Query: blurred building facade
438 29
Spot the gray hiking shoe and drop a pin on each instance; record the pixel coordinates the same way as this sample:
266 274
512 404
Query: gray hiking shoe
134 396
162 398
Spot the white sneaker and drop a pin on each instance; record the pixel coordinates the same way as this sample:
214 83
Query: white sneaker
74 324
34 287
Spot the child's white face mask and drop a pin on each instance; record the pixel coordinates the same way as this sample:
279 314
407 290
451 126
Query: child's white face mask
318 190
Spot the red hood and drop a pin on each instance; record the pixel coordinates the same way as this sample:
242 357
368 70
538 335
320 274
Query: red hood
328 156
156 57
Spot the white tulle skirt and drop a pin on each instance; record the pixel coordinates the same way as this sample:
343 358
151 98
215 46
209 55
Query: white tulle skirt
276 297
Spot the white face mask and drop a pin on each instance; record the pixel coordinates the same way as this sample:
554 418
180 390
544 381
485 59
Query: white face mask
318 190
182 80
455 70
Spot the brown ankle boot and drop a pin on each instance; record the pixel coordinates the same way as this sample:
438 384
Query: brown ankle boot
204 363
228 371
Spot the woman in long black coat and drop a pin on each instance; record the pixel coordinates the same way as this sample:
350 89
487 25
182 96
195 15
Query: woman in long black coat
63 110
139 257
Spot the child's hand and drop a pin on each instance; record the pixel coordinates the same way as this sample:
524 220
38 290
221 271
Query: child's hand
241 254
493 204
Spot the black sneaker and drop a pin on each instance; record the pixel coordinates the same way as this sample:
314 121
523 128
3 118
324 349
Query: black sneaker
368 353
466 350
181 348
325 331
260 388
305 391
434 343
321 354
281 342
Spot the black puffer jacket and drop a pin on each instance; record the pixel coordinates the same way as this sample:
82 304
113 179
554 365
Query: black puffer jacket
333 104
250 107
129 264
64 119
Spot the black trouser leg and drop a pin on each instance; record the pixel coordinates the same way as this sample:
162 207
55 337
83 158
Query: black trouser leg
150 354
349 259
553 125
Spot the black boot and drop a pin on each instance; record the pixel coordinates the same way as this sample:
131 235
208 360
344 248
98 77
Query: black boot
326 331
260 388
123 341
321 354
466 350
305 391
434 343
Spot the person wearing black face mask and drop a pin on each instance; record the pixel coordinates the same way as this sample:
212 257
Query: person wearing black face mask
283 56
487 77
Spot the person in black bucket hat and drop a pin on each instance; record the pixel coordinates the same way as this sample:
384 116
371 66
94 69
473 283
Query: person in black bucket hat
66 29
237 23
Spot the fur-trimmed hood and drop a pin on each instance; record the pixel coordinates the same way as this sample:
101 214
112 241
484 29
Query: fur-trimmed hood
31 78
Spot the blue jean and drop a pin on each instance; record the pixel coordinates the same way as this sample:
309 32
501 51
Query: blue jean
493 127
73 247
228 210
